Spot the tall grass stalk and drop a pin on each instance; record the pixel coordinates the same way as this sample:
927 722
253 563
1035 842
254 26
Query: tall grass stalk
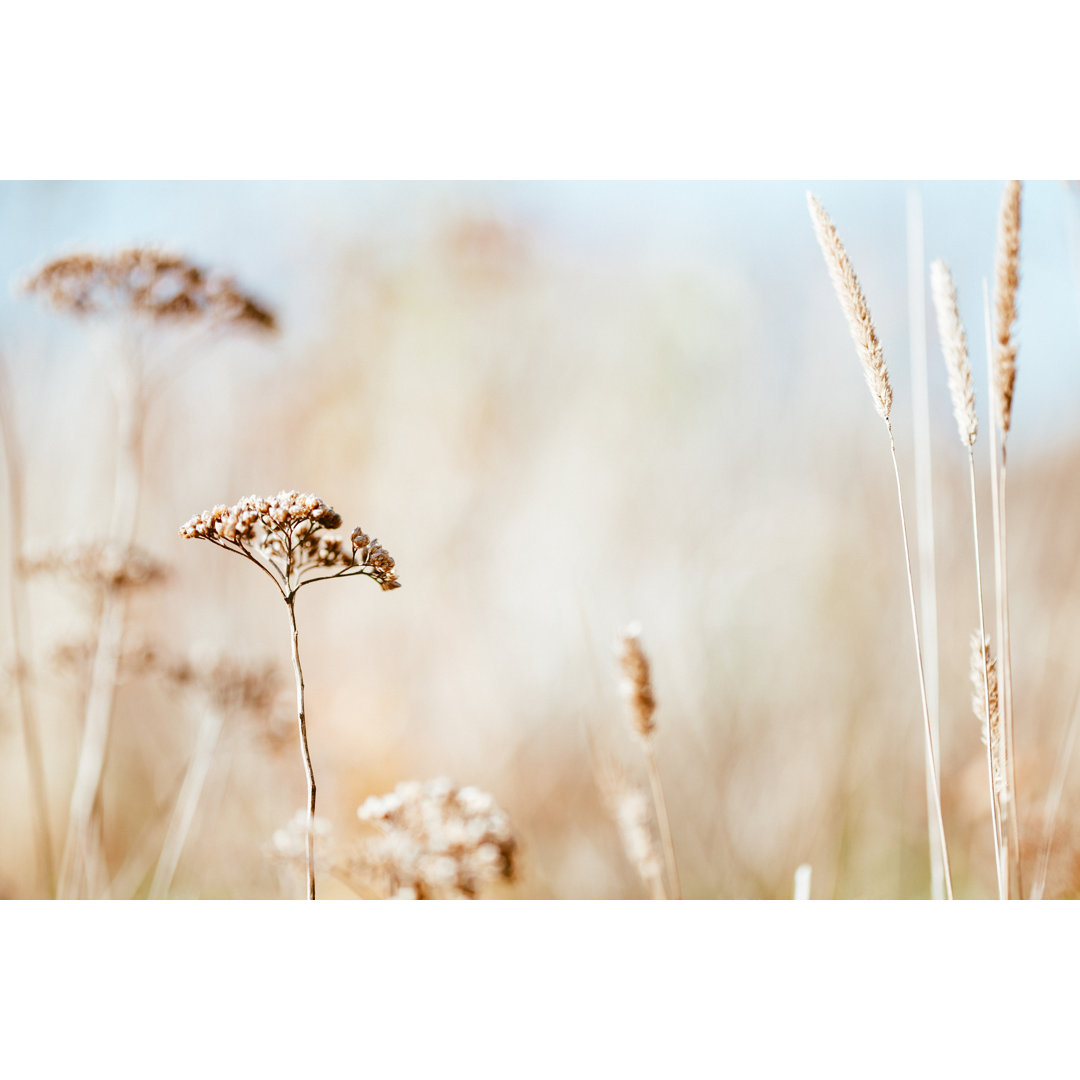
1006 282
20 634
868 347
962 390
1001 391
1007 810
924 518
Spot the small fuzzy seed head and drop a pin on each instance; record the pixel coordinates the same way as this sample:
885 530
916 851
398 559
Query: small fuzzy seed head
954 347
637 682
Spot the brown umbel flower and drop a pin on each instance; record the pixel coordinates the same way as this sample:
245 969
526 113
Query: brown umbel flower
145 282
288 536
435 840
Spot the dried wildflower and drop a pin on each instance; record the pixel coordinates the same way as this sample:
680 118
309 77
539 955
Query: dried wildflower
100 564
636 683
147 283
435 840
286 535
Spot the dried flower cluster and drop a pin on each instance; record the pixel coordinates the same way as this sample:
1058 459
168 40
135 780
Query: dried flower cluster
101 564
954 346
287 536
637 682
435 840
148 283
855 308
983 673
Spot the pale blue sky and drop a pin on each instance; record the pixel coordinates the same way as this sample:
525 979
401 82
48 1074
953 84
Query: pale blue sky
274 235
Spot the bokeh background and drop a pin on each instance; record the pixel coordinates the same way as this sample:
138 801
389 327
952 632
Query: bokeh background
561 406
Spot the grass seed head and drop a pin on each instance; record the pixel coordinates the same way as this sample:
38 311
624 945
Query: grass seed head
983 674
855 307
637 682
954 347
1006 282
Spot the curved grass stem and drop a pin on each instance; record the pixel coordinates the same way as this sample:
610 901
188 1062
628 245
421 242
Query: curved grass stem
930 755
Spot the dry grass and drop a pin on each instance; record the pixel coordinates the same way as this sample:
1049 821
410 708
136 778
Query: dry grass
870 352
553 443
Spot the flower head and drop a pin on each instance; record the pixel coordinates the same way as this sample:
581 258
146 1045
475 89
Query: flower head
150 284
289 536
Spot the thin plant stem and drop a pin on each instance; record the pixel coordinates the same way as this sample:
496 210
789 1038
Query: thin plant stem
74 870
187 801
930 756
19 608
1053 802
1010 833
662 820
310 838
1007 695
924 503
995 817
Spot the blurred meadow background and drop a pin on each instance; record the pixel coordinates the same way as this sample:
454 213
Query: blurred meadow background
562 407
